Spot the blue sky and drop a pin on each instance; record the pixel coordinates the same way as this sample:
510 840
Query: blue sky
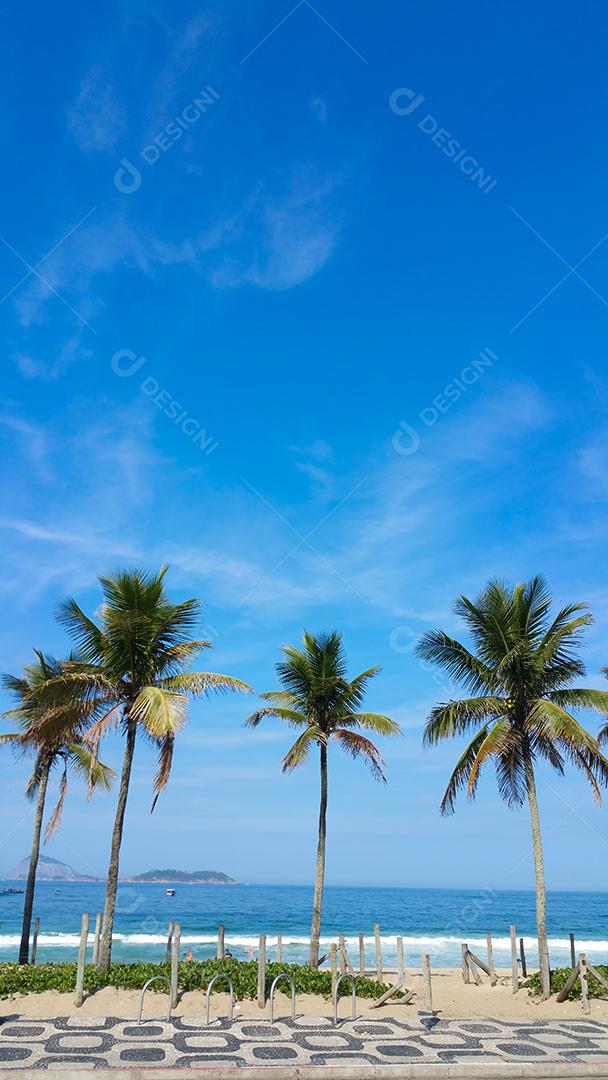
337 353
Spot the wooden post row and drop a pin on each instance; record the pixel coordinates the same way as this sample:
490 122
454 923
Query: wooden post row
342 954
378 952
82 960
524 967
491 967
582 964
333 968
361 954
262 972
464 948
514 975
426 970
400 961
96 939
177 931
35 940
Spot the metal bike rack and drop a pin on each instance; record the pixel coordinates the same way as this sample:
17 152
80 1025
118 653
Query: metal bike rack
220 975
354 996
283 975
156 978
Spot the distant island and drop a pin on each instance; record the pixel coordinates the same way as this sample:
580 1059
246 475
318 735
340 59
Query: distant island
54 870
185 877
48 870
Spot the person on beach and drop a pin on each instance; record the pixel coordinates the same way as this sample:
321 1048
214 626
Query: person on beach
189 956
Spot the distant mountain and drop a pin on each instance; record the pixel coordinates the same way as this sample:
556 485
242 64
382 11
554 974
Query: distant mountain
48 870
194 877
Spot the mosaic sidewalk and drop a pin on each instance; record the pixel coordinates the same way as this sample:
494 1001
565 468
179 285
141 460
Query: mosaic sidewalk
184 1042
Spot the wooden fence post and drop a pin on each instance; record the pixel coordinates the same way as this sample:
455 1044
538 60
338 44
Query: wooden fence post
96 939
464 964
378 952
279 948
35 940
177 931
582 963
514 975
572 951
342 954
524 966
333 968
82 960
491 967
426 970
220 941
262 972
169 943
400 961
361 954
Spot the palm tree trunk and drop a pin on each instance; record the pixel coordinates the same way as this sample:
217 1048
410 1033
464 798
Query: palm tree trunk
105 949
28 900
539 873
317 904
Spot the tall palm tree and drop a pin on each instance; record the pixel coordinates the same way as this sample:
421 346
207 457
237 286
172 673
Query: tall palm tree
318 698
520 676
132 663
62 748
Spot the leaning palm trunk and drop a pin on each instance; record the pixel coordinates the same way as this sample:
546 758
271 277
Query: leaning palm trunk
105 951
28 900
539 874
317 903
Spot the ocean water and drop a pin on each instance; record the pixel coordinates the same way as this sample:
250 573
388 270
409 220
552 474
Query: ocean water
433 921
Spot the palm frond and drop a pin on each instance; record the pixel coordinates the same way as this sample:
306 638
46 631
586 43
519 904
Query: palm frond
160 712
358 746
165 760
298 753
382 725
457 717
460 665
290 715
86 765
55 819
462 771
204 682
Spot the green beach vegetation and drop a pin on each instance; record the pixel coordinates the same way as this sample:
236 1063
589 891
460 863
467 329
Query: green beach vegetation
192 975
520 678
318 700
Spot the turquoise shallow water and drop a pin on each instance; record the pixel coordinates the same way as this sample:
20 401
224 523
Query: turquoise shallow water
430 920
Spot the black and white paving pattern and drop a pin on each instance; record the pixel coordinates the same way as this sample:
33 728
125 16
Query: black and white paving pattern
185 1042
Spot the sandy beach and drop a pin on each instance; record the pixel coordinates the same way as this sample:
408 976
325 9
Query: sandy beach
451 999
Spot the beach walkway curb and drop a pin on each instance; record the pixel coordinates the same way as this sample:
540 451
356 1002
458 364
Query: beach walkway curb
477 1071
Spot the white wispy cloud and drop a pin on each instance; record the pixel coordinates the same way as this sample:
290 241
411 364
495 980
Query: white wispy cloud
278 238
96 119
33 441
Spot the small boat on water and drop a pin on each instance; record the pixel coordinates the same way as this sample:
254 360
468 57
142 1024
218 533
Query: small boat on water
170 892
11 892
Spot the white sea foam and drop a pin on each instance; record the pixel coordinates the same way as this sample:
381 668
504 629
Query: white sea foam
437 944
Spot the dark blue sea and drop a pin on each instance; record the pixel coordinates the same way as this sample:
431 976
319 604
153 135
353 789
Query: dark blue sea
430 920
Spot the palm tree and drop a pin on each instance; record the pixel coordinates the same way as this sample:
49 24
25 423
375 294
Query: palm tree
520 677
62 748
318 698
132 663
